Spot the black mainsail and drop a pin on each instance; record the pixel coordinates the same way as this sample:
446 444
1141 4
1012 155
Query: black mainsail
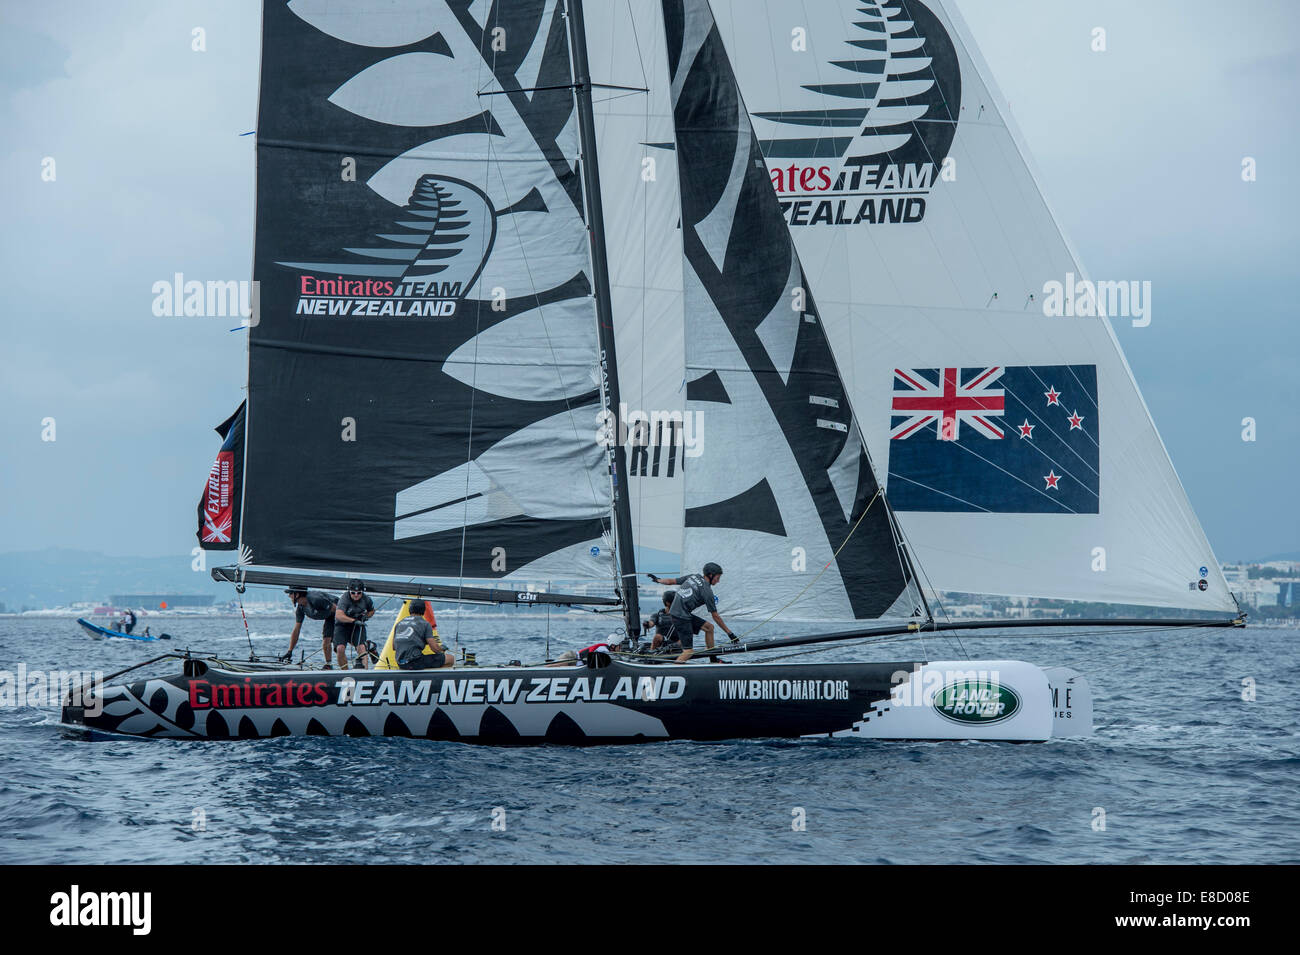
422 380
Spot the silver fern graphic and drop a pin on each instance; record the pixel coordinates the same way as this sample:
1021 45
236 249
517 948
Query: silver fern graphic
142 719
449 229
863 110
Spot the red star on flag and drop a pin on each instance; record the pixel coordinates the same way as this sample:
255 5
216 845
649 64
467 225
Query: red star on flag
1051 477
1052 395
1076 421
1027 430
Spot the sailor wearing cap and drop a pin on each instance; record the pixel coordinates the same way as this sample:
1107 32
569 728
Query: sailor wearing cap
354 608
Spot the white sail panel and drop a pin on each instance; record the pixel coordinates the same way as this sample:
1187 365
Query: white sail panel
1015 447
638 177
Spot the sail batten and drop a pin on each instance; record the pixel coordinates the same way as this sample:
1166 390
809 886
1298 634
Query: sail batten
476 591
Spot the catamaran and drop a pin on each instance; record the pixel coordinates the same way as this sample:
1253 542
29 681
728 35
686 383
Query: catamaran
564 292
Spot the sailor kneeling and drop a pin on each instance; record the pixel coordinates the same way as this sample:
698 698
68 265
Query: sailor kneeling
410 638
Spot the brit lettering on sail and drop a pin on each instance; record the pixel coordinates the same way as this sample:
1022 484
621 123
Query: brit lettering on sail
863 129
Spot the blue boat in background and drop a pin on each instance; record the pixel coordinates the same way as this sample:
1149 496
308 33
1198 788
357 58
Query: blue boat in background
97 631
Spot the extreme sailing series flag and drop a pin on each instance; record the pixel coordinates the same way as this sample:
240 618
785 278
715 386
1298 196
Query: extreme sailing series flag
1019 440
219 505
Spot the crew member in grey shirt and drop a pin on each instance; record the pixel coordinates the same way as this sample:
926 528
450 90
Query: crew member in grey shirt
412 635
694 590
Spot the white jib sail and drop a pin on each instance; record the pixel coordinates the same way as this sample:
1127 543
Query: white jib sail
1013 443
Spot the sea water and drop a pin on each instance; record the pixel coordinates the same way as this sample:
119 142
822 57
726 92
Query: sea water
1195 760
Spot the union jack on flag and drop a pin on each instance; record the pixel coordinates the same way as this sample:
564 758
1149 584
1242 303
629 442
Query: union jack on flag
947 397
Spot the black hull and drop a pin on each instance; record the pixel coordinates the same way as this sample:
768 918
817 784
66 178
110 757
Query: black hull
618 703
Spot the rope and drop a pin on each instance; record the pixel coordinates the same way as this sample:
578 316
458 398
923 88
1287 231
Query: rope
252 654
865 511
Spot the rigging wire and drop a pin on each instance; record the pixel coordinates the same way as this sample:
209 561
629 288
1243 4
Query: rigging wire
817 577
478 325
252 655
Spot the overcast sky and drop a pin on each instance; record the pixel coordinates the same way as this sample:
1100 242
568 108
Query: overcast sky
1139 151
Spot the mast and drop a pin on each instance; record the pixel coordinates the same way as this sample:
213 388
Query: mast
627 583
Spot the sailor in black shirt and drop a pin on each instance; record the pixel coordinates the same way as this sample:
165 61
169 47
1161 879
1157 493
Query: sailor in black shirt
318 606
350 615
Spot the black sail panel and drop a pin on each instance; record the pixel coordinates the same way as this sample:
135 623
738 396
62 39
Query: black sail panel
423 388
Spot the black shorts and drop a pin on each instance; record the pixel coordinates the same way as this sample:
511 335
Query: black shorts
683 630
327 628
349 633
696 626
425 661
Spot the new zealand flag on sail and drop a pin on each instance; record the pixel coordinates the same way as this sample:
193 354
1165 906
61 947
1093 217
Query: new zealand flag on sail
1021 440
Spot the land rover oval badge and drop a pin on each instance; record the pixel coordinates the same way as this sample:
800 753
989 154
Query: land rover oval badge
976 701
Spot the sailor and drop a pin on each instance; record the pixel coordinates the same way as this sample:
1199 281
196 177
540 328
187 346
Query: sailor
694 590
317 605
128 620
663 624
412 635
601 650
350 615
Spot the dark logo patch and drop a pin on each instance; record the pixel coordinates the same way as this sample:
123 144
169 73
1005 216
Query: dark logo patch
422 269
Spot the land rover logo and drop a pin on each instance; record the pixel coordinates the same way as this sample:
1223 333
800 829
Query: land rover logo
976 701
